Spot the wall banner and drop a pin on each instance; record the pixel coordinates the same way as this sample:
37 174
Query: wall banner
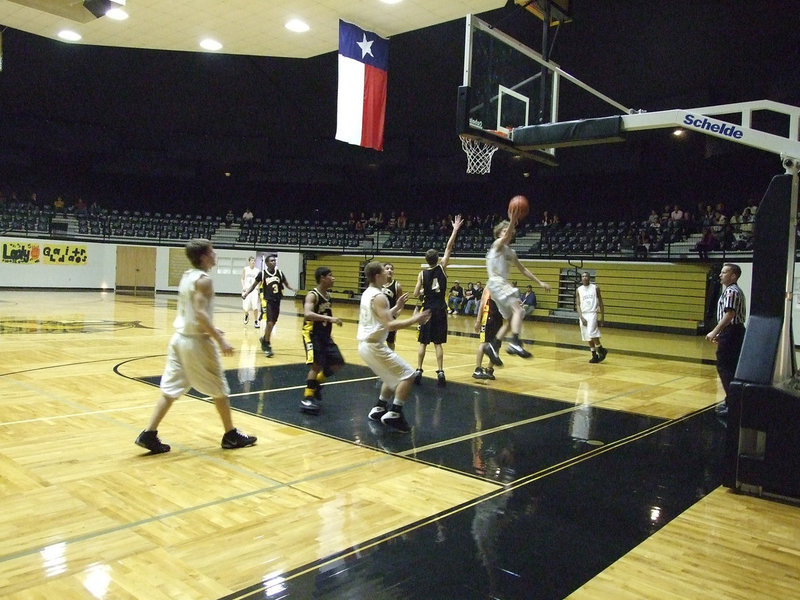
26 253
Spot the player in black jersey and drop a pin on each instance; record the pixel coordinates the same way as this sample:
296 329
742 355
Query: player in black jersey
273 281
393 291
432 284
322 354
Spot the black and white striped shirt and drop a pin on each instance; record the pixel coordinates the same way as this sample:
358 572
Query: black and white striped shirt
732 298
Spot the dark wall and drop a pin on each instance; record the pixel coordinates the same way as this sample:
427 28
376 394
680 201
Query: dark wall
152 129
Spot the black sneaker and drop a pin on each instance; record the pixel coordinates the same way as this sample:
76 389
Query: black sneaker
489 373
245 318
601 351
418 377
149 440
396 421
440 380
518 350
264 344
493 355
595 358
268 350
309 405
479 373
236 439
377 412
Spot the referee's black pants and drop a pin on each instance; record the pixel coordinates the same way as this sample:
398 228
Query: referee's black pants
729 346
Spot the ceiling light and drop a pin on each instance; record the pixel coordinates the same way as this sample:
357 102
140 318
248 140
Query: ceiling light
69 35
209 44
117 14
678 132
297 26
101 8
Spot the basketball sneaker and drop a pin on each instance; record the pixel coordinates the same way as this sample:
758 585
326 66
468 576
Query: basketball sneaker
396 421
236 439
150 440
418 377
440 380
517 349
245 318
601 351
268 350
479 373
257 324
489 373
493 355
595 358
377 412
309 405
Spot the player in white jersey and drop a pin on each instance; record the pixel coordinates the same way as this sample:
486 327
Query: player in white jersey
376 319
250 303
192 357
589 305
499 259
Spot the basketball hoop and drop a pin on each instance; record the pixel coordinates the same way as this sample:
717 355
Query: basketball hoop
479 155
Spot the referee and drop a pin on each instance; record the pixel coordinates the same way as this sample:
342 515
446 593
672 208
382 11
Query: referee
729 332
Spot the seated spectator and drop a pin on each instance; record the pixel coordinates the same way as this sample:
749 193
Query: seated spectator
529 301
471 308
247 216
59 205
707 243
402 221
229 218
456 298
80 207
469 296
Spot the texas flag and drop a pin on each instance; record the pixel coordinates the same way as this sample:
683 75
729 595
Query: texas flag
361 106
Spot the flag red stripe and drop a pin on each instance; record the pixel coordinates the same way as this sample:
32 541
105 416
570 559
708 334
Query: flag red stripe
374 108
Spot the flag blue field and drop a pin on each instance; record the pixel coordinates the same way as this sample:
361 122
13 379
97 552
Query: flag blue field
361 100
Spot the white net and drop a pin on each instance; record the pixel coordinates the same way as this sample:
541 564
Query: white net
479 155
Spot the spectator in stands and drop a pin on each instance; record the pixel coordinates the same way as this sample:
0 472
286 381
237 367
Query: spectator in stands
392 224
247 216
469 292
556 222
80 207
456 298
676 223
95 209
229 218
402 220
546 219
471 307
707 243
529 301
747 220
58 205
643 244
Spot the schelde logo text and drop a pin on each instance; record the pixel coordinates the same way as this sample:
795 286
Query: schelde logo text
720 127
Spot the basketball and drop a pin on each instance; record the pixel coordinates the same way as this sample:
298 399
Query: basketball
519 203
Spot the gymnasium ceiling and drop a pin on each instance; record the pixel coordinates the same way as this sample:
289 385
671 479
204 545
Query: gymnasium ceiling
248 27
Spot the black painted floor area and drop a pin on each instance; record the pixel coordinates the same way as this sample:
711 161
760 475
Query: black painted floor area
581 487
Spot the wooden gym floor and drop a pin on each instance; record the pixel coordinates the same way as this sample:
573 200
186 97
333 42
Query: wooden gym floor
559 479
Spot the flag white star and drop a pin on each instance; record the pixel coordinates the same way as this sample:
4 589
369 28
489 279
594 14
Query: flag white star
366 47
